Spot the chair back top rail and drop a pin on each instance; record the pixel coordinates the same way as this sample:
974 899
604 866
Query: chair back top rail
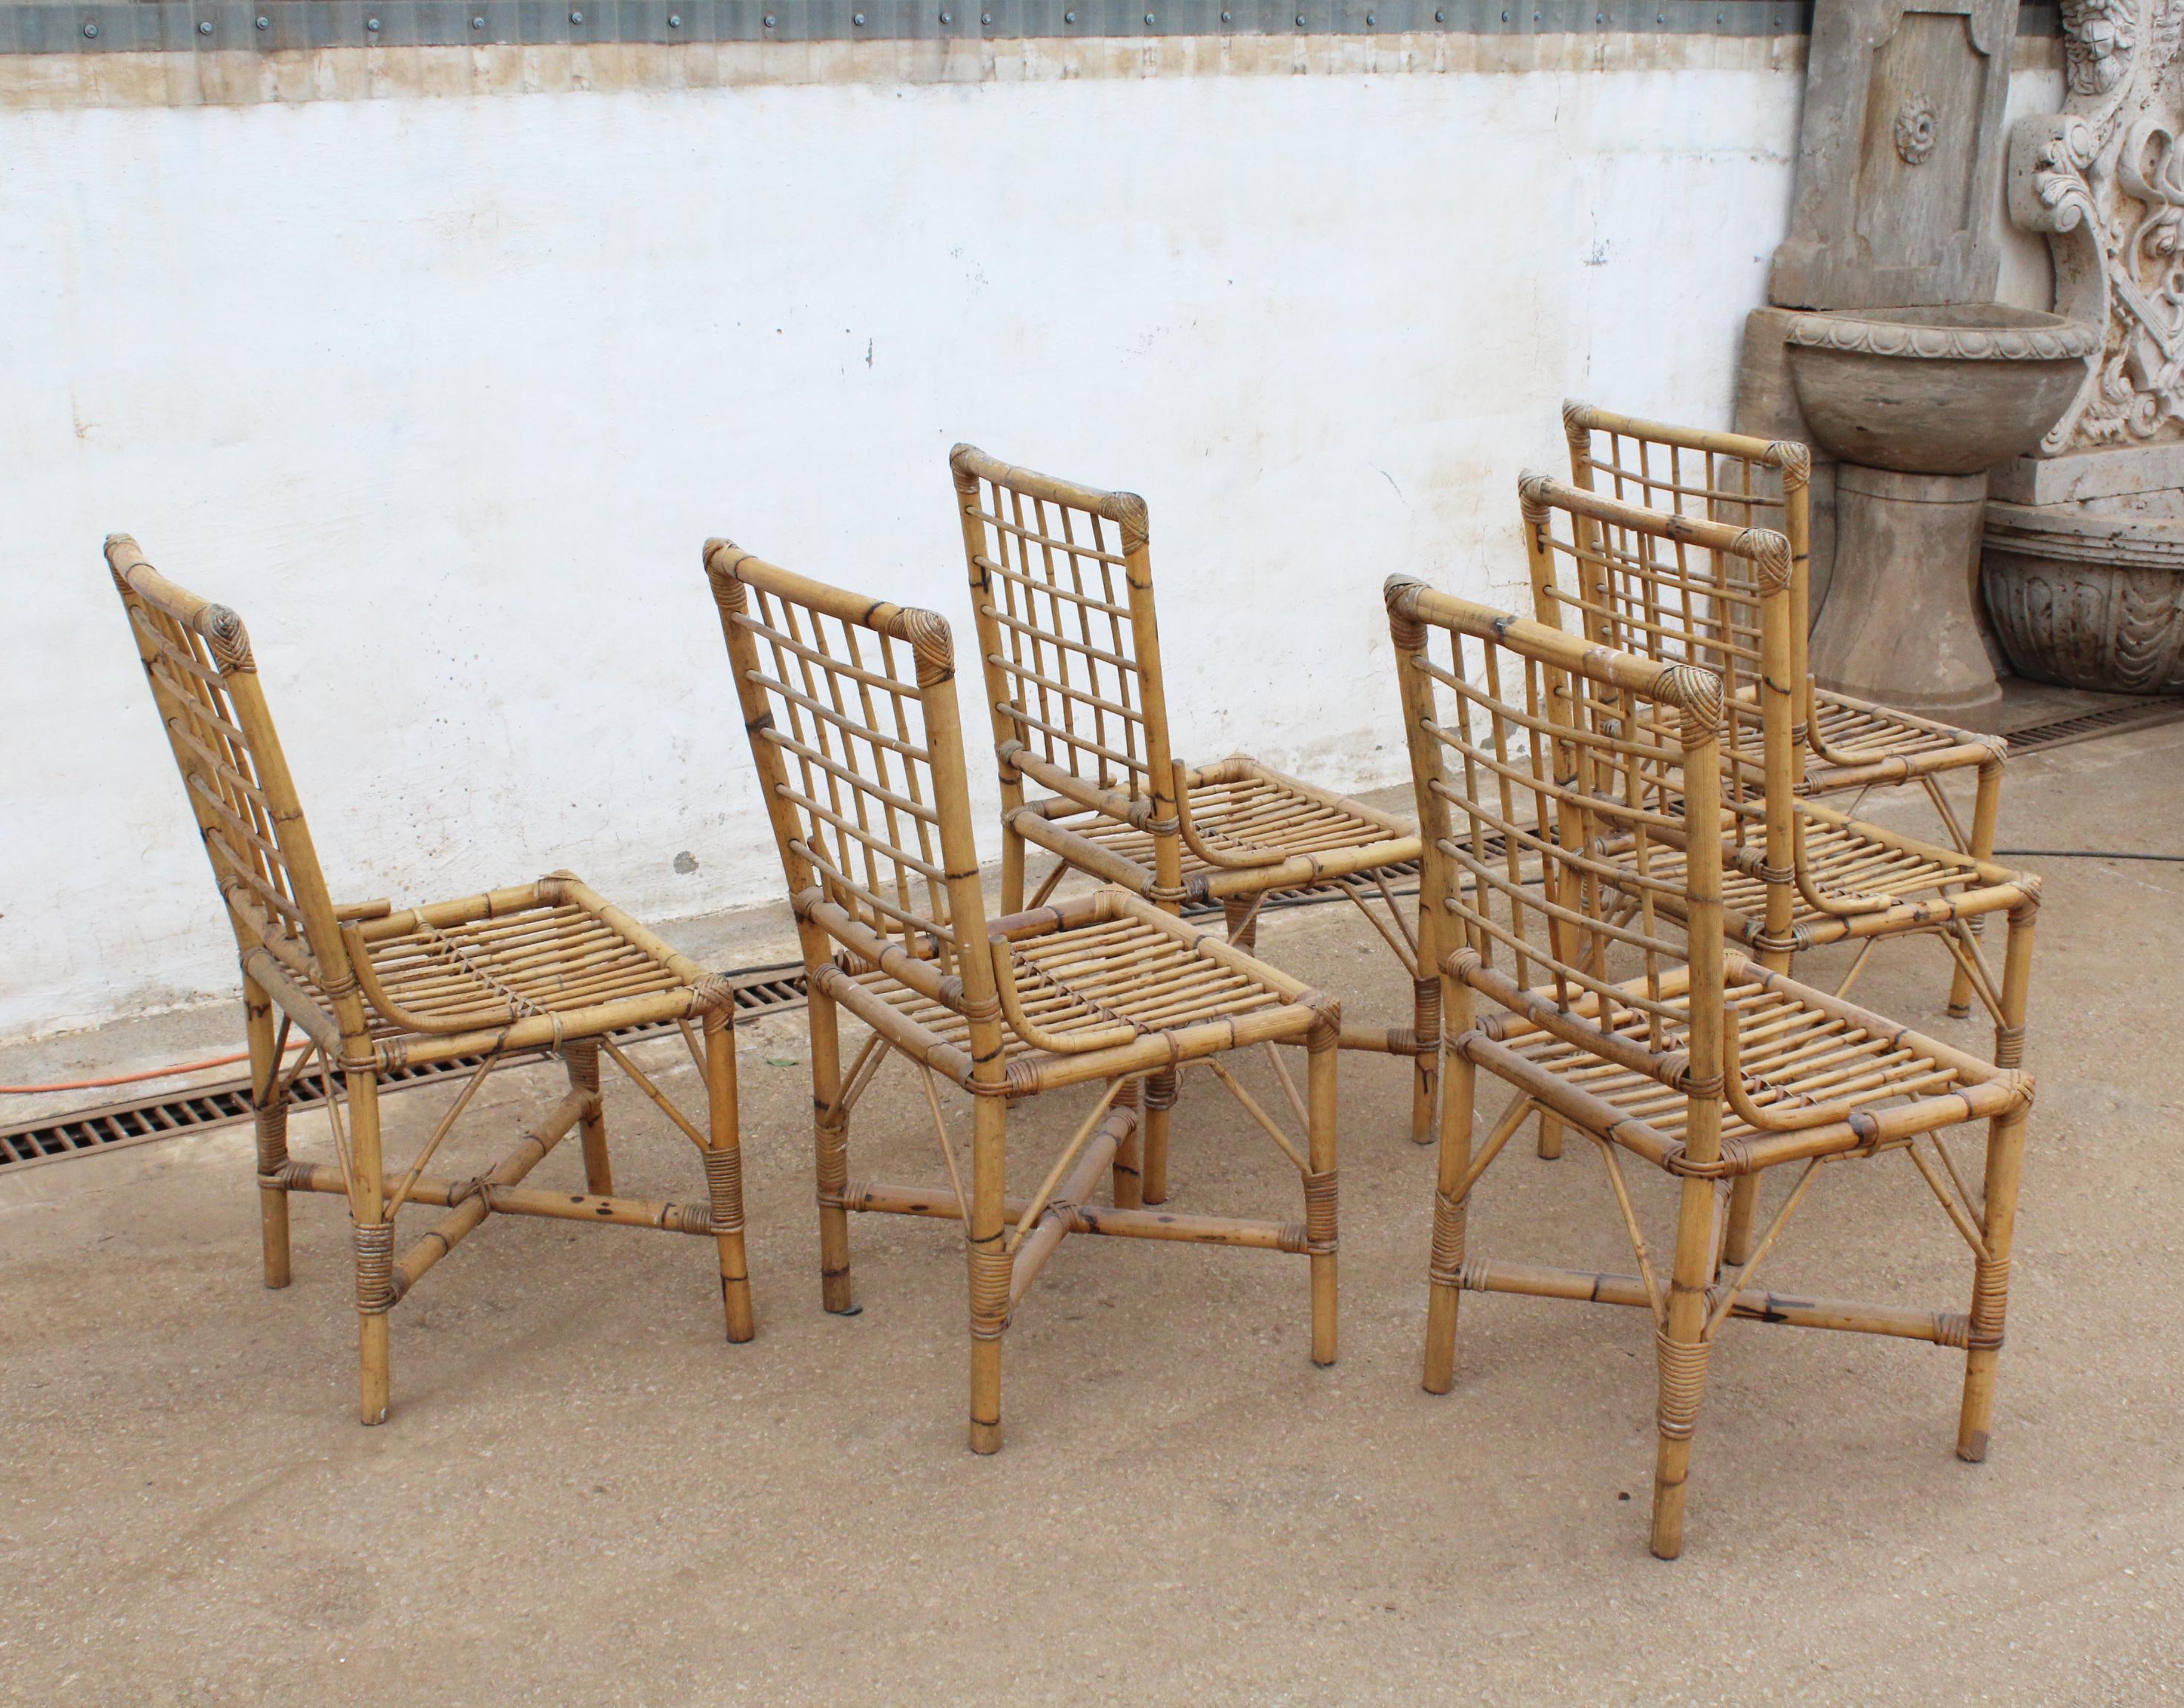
204 675
1061 584
1683 589
850 706
1728 477
1532 749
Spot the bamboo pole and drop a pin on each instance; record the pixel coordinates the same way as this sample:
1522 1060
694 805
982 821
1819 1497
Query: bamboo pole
1319 1186
830 1131
374 1242
583 1062
1056 1217
2005 1164
270 1107
452 1229
724 1173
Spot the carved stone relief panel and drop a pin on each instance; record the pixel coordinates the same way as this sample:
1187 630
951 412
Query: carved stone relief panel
1903 127
2104 179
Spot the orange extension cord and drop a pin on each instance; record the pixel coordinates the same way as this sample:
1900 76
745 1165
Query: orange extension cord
180 1067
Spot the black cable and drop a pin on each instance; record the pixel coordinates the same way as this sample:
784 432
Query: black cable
2086 853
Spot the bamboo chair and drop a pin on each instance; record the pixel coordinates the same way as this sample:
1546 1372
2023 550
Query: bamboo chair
850 705
1676 589
1842 745
1061 583
1688 1056
507 976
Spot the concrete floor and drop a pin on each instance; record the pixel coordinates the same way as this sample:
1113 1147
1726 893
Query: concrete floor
583 1496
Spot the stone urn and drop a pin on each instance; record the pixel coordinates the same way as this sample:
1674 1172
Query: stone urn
2088 600
1946 390
1918 404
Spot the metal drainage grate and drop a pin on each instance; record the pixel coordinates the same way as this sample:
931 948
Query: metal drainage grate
775 989
2114 721
758 990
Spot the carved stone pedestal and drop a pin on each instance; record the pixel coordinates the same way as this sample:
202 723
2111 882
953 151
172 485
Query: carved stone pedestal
1899 626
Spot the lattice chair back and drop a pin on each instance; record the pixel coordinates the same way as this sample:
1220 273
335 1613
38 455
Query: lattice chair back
1679 589
1062 582
850 705
1732 478
1531 751
203 677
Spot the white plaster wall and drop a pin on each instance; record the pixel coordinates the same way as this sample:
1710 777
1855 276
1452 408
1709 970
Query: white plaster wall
445 395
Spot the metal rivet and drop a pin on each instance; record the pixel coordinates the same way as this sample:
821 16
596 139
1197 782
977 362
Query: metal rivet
985 17
91 31
1440 17
1660 17
263 22
1602 19
479 23
1300 21
1370 20
576 17
1225 19
946 18
1505 17
205 28
1148 17
859 20
371 24
1069 17
769 20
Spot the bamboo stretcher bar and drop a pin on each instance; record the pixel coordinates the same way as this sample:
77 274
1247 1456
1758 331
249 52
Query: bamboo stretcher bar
1755 1305
450 1231
1055 1222
669 1216
1246 1232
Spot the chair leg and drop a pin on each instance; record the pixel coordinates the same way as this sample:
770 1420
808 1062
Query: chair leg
1551 1137
724 1171
1426 1073
1460 1085
583 1062
1743 1212
1127 1186
1161 1090
2005 1158
991 1269
1985 807
1319 1189
2005 1161
271 1109
1681 1350
1012 867
374 1241
831 1140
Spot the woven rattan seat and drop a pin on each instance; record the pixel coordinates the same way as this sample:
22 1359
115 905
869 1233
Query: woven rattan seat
537 967
851 709
1099 965
1798 1050
1846 863
1237 806
1061 584
1678 1052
